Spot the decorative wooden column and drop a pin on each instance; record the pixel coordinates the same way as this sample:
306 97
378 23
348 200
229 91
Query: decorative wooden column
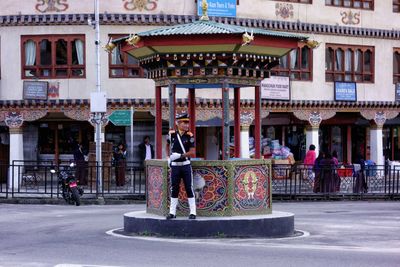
192 110
14 121
376 136
225 121
246 118
314 117
349 155
158 123
257 123
237 129
172 105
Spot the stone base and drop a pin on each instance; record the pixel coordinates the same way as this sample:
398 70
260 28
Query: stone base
277 224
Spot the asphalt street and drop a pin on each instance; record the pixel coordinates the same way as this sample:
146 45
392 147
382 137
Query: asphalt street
336 234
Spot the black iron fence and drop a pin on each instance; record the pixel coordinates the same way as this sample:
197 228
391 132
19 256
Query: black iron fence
34 179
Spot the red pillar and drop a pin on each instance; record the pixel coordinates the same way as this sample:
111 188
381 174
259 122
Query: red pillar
237 121
257 129
158 123
192 111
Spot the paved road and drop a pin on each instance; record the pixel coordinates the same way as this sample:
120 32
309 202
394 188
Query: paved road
341 234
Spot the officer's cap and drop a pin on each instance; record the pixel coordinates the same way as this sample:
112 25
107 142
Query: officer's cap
182 117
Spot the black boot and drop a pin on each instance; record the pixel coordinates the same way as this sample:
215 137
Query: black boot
170 216
192 217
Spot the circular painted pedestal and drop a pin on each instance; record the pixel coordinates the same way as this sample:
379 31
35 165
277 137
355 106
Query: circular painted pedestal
277 224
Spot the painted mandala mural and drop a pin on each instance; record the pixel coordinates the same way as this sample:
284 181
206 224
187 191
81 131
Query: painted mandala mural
251 188
214 196
155 188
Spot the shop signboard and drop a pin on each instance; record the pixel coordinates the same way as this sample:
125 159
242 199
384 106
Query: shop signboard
121 117
218 8
35 90
397 93
345 91
276 88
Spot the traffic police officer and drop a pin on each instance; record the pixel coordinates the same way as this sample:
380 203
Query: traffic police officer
180 147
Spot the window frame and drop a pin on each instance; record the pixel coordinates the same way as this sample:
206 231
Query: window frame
353 73
397 5
289 71
396 50
53 67
125 67
332 3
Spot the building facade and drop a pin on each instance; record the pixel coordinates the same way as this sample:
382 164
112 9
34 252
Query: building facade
48 70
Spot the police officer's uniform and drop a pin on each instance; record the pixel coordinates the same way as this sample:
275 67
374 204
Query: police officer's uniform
181 168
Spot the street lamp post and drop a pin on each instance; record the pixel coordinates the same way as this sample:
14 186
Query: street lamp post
98 101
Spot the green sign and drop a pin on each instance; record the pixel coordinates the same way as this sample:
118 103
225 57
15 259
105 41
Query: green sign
121 118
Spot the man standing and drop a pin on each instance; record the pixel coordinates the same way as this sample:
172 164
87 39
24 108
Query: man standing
180 147
79 157
146 149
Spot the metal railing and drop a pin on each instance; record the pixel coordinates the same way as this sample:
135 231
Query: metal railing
300 180
34 179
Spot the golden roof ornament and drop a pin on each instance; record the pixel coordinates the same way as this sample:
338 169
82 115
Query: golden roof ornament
133 40
247 38
204 8
109 47
312 44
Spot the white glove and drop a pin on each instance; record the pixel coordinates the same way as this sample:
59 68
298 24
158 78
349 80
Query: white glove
175 156
169 163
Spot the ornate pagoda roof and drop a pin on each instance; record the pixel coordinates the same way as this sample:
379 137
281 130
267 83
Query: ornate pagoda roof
212 27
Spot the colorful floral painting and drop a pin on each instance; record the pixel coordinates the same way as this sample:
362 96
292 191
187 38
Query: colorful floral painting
251 188
155 188
140 5
44 6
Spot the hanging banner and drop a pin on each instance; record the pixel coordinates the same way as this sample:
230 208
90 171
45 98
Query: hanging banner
218 8
275 88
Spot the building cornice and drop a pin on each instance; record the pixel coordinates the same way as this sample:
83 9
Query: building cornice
165 19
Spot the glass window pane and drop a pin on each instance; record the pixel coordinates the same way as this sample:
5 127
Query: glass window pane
117 72
367 61
348 60
45 72
339 60
347 3
329 77
134 72
77 72
294 64
61 52
339 77
305 52
30 53
132 60
116 57
77 52
357 4
396 63
305 76
329 59
358 61
61 72
45 53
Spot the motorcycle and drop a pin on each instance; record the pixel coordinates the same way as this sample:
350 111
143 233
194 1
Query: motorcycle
71 192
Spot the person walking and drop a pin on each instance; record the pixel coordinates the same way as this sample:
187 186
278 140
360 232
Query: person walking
180 148
146 150
309 164
80 171
120 162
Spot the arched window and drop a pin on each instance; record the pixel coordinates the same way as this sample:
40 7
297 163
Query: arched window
53 56
351 63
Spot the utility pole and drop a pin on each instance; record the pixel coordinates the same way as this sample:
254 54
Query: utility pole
98 100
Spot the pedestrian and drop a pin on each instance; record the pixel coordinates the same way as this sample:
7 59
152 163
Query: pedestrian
79 158
180 148
327 174
335 158
146 150
309 161
360 185
120 162
317 172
